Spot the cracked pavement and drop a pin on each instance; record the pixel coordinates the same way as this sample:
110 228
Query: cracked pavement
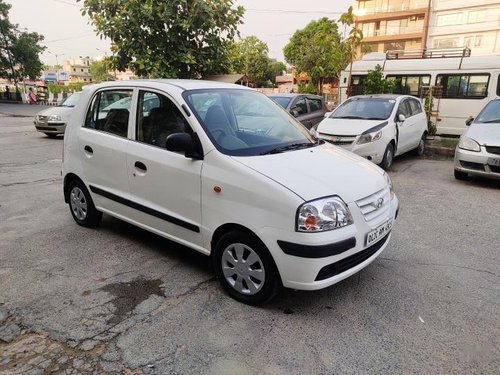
119 300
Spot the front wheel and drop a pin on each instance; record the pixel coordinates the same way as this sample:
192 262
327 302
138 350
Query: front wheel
245 268
388 157
81 205
419 151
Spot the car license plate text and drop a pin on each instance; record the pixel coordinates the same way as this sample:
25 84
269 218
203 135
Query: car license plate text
492 161
378 233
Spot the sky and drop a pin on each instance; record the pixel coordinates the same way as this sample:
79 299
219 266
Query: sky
68 34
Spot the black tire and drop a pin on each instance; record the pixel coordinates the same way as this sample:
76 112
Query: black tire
229 258
81 205
50 135
463 176
388 157
419 151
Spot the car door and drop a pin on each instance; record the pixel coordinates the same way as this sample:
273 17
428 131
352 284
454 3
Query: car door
103 141
164 186
299 109
316 110
404 128
419 122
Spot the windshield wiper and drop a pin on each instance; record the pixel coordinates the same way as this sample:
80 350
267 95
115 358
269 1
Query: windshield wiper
490 121
351 117
293 146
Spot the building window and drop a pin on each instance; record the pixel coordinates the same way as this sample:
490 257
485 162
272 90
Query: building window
446 43
478 40
449 19
476 16
468 41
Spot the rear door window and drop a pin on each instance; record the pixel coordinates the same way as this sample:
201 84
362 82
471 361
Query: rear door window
314 104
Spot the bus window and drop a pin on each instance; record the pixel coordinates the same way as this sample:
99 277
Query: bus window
498 86
409 84
463 86
357 85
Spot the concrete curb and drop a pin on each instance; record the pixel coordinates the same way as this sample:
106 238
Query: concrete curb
435 150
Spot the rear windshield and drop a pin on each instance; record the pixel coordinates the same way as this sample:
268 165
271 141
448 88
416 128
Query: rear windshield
365 109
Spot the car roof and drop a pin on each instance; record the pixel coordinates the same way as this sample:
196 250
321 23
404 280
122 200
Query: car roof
291 95
183 84
383 96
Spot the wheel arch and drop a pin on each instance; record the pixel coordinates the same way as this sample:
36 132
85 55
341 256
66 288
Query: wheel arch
68 179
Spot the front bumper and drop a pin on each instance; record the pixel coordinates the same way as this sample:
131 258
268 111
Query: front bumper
50 127
478 163
373 151
311 261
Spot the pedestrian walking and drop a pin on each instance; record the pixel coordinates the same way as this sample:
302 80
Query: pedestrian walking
31 96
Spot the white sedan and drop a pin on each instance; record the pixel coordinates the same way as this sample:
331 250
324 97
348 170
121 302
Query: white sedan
52 121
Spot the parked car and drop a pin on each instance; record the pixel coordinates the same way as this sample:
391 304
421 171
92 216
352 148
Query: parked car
308 109
254 190
377 127
52 121
478 151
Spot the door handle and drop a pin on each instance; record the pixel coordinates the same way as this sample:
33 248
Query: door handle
88 149
140 166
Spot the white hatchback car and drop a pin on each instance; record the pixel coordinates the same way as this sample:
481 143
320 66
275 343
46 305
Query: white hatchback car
478 151
271 205
377 127
52 121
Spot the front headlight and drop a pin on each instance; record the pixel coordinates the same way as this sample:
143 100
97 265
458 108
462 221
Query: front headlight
467 143
323 214
370 137
54 118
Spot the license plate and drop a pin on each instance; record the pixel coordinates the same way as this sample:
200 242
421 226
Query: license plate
492 161
378 233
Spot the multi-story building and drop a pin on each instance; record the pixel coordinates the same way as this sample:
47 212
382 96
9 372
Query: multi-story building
392 24
78 69
464 23
425 24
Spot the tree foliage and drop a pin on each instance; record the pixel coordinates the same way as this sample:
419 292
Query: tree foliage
157 38
99 70
250 57
320 50
375 82
19 51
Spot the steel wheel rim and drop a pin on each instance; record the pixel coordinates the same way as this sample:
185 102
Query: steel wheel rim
243 269
78 203
388 157
421 147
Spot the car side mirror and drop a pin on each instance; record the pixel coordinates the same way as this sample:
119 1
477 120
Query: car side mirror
294 112
469 120
401 117
184 143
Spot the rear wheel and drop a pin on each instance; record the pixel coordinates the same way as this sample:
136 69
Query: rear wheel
459 175
388 157
421 146
245 268
81 205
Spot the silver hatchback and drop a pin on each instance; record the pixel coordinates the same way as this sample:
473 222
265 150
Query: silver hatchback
478 152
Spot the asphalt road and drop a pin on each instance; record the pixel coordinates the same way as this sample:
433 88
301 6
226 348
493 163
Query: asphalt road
120 300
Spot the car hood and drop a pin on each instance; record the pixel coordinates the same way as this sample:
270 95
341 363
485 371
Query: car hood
64 112
320 171
344 126
485 134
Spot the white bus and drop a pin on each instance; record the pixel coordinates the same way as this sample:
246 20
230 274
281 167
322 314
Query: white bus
463 84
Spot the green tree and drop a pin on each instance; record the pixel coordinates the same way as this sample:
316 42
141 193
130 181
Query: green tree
320 50
99 70
177 39
375 82
19 51
250 57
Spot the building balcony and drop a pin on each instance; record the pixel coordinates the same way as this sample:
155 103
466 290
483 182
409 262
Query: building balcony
390 15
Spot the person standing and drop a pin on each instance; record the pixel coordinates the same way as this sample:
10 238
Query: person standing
6 94
31 96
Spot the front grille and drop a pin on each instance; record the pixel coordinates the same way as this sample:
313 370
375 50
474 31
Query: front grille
368 206
471 165
342 140
351 261
493 149
45 128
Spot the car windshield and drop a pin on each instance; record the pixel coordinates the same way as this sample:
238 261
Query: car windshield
490 113
71 100
246 123
365 109
281 100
